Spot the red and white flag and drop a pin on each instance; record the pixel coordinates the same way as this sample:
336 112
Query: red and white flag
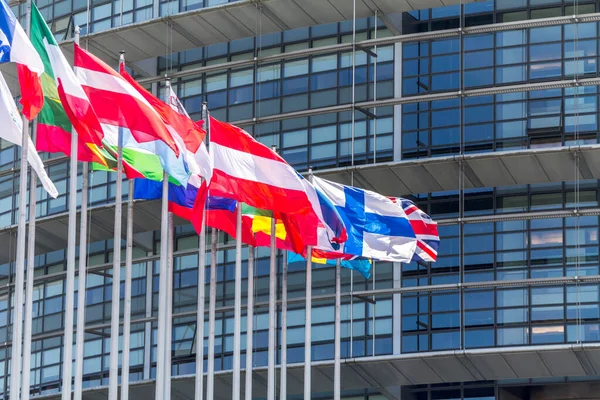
117 103
248 171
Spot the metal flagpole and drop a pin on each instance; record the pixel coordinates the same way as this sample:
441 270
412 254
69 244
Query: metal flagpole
127 300
27 333
249 324
210 377
308 318
337 354
113 377
169 297
15 372
81 283
162 290
199 383
283 378
70 279
169 311
80 334
237 307
272 311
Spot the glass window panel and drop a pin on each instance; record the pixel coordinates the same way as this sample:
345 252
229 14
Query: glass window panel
548 295
545 34
512 336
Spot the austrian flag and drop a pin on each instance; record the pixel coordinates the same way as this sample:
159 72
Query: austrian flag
248 171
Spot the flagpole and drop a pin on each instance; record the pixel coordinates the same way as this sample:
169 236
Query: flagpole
283 378
249 324
81 283
27 332
199 383
272 311
169 295
127 299
162 287
210 378
80 334
308 318
15 373
337 354
169 311
113 385
237 305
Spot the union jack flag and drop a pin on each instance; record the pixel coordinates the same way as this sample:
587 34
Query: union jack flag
426 231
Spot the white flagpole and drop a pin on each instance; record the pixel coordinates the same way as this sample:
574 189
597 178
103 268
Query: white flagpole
67 366
169 311
15 372
81 283
80 334
162 291
210 377
308 318
169 297
27 331
249 324
337 354
199 383
113 380
237 306
127 299
272 312
283 378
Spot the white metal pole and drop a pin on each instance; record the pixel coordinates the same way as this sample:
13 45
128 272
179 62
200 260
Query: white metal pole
113 378
210 377
237 310
82 276
27 332
169 311
67 370
272 314
337 354
127 299
283 368
169 297
249 325
17 336
162 290
199 383
308 318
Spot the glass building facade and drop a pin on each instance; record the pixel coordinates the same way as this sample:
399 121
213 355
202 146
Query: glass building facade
511 260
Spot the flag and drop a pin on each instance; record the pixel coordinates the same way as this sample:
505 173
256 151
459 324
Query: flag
248 171
426 231
148 145
360 264
16 47
12 131
188 135
65 103
376 227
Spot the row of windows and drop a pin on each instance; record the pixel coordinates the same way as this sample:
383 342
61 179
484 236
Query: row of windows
507 121
507 57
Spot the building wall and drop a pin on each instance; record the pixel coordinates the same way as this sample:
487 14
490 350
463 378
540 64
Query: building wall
497 249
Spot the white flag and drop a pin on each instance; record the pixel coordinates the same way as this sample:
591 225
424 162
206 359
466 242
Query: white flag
12 131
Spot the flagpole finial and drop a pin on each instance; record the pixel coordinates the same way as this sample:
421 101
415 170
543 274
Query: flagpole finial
274 148
122 57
